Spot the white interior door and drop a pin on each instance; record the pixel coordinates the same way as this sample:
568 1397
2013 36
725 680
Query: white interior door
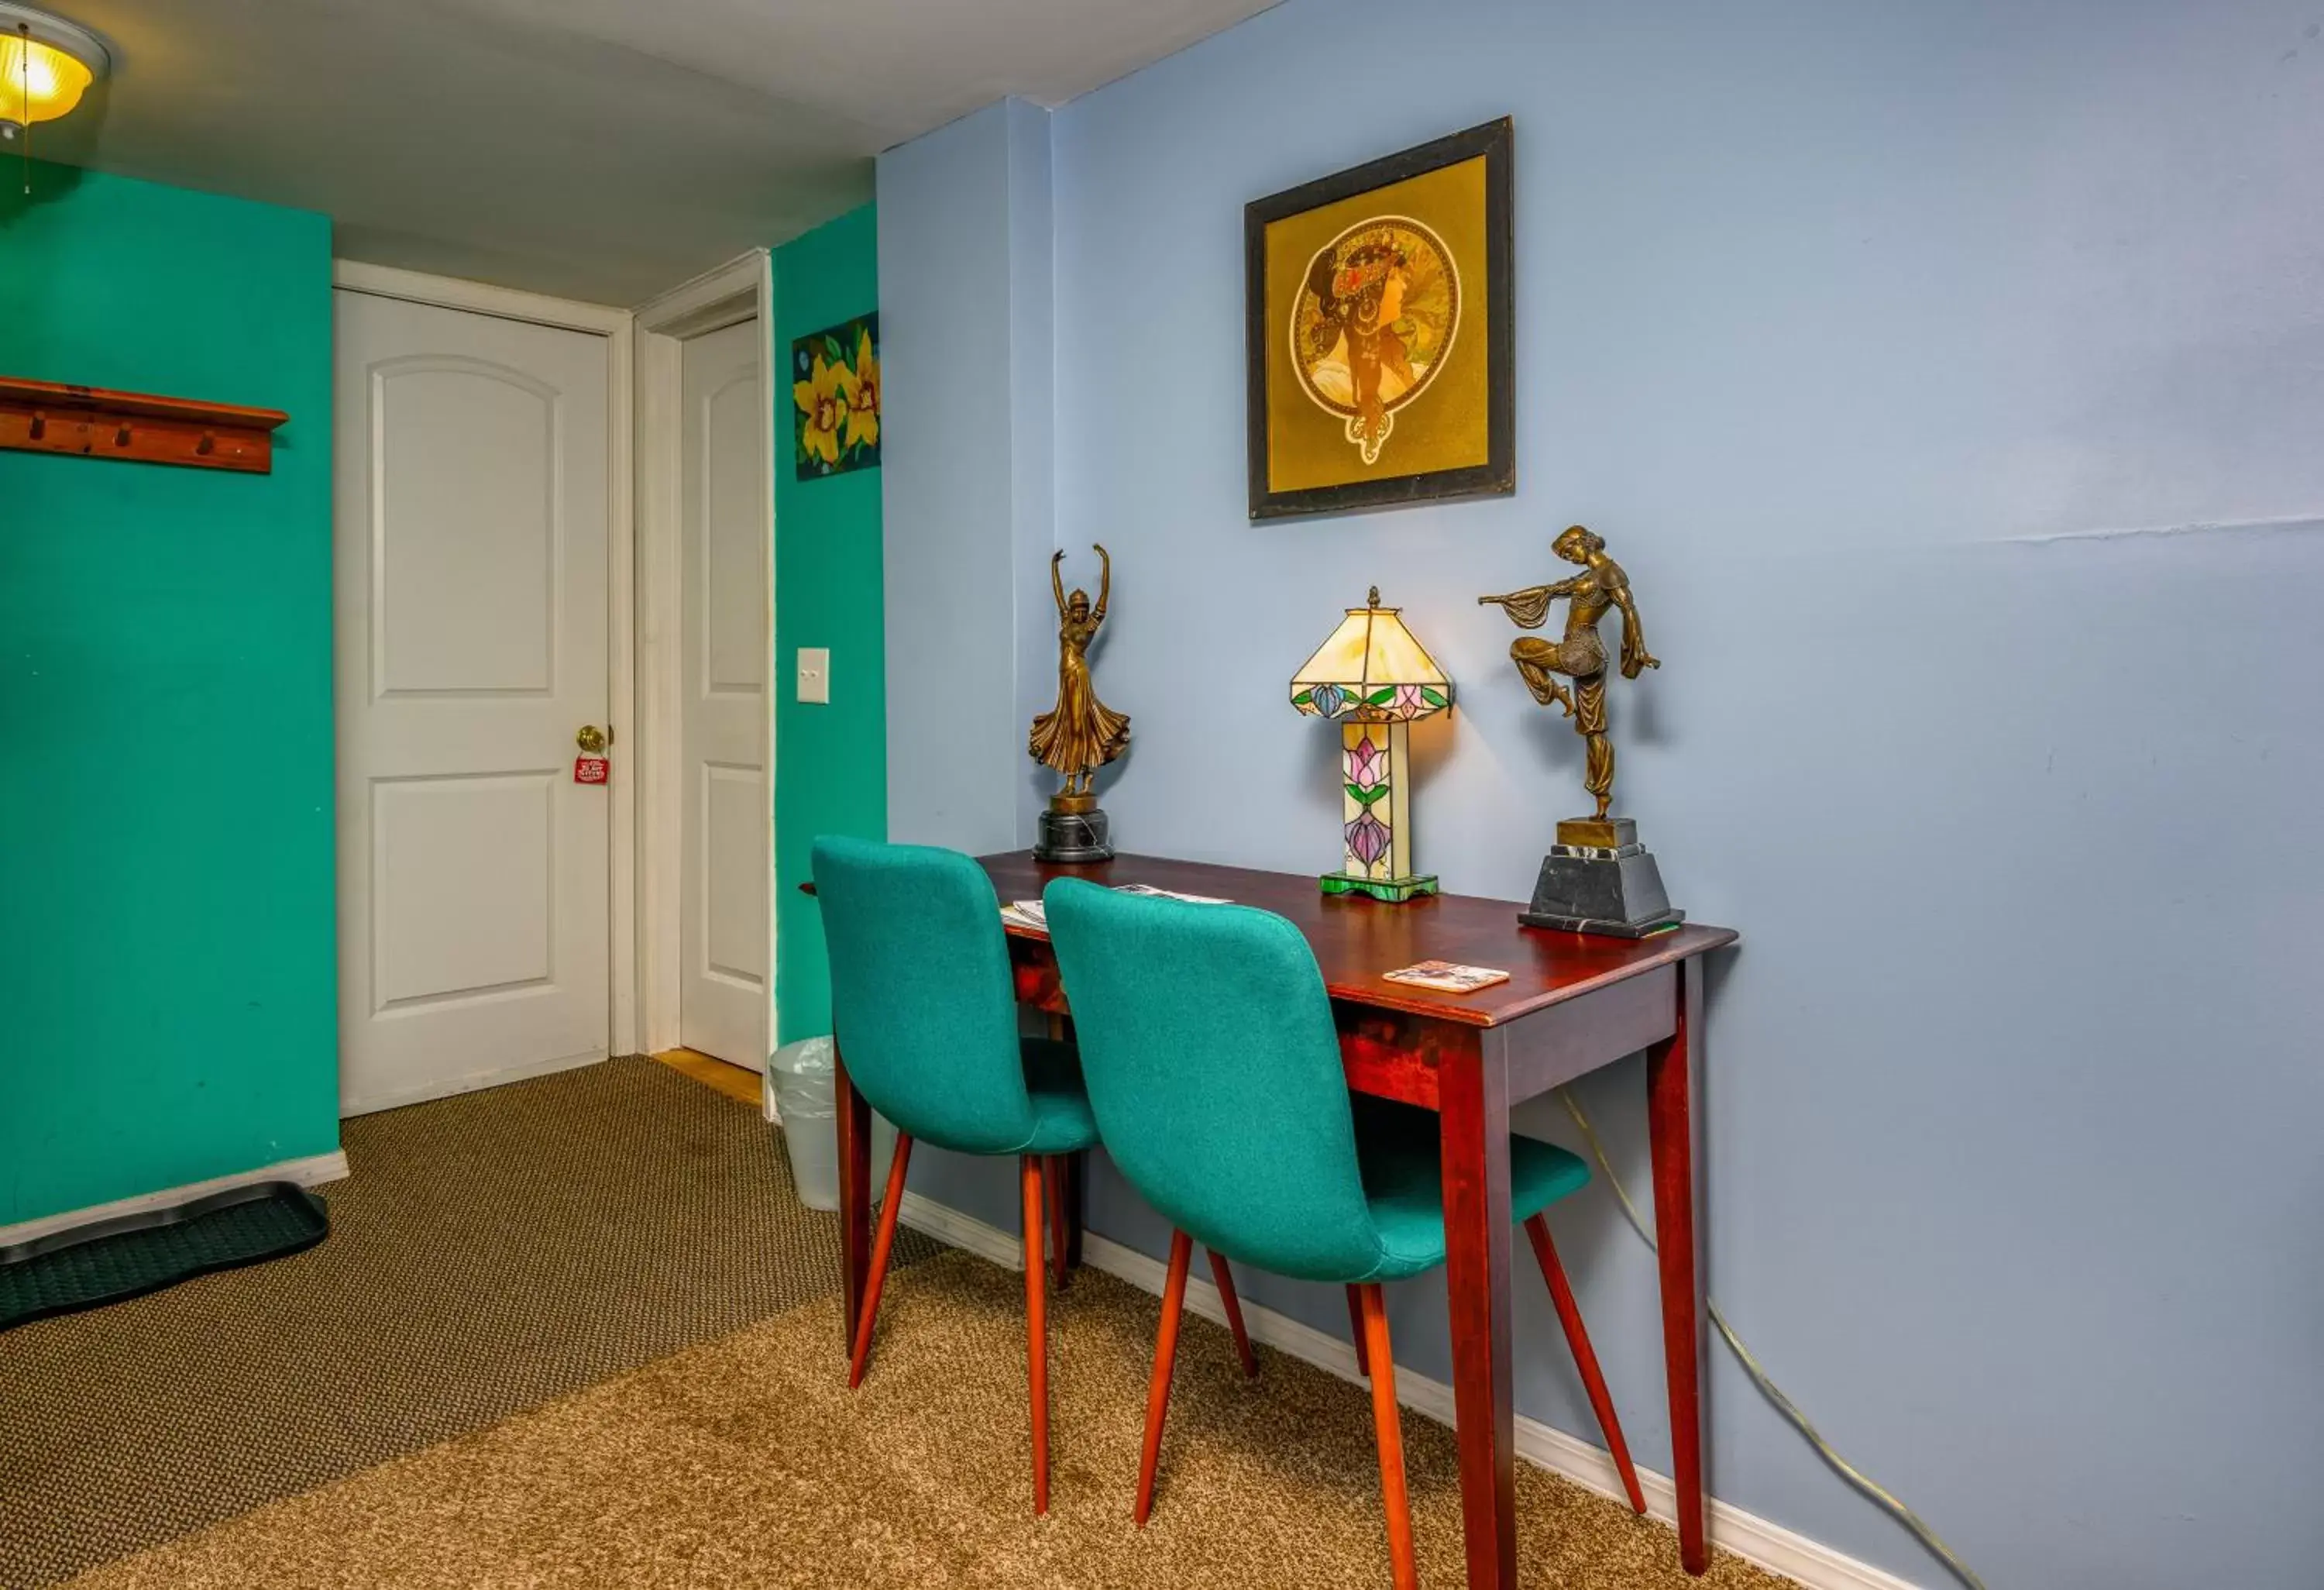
470 645
728 812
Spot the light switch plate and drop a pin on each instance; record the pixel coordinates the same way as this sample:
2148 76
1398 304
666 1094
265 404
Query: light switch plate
814 674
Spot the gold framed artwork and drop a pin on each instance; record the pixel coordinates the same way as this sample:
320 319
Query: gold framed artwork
1377 332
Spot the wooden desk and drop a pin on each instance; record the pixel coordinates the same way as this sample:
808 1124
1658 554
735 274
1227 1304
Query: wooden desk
1571 1004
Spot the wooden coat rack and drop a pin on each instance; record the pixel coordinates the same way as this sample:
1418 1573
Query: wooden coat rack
96 422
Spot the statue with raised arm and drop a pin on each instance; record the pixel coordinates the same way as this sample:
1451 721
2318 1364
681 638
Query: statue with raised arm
1080 734
1580 655
1598 878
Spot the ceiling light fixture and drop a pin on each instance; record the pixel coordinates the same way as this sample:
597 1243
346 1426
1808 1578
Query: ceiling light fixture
46 64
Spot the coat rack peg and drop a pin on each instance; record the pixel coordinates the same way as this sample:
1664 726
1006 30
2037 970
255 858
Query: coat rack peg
149 428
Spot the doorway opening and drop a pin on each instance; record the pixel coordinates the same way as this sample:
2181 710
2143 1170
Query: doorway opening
545 512
481 525
705 406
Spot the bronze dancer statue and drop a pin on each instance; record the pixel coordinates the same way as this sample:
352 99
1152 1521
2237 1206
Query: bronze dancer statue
1081 733
1580 655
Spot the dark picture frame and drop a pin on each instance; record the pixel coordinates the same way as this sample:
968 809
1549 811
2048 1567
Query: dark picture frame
1497 476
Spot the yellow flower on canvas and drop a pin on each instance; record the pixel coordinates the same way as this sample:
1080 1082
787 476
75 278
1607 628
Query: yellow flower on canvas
823 398
835 390
863 411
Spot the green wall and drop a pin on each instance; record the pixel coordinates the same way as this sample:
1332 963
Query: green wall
166 915
831 761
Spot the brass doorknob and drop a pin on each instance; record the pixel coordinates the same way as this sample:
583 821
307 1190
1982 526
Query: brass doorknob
593 739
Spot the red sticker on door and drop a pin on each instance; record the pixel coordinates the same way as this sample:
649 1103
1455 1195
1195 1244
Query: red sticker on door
591 770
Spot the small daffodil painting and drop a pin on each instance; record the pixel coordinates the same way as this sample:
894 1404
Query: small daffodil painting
835 399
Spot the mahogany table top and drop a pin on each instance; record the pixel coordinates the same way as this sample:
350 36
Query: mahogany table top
1356 938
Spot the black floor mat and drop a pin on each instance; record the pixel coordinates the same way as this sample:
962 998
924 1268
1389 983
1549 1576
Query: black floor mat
132 1254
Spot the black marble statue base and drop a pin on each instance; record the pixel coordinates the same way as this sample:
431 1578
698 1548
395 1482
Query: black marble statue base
1073 837
1614 890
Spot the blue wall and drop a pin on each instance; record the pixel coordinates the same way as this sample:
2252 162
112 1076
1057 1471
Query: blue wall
166 917
966 317
1949 378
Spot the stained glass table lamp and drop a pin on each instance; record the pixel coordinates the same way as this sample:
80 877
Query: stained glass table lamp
1375 678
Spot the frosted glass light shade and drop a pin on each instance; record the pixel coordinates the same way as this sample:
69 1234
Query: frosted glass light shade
46 65
1371 669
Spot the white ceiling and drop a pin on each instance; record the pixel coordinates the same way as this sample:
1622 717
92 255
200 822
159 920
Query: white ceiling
597 148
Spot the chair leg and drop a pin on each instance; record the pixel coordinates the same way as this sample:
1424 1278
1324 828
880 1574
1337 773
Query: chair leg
1585 1358
1053 1177
1166 1354
880 1245
1233 1306
1356 1325
1389 1424
1036 1328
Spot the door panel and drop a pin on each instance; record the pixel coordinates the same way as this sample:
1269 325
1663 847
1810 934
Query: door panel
471 638
464 566
723 985
733 910
488 841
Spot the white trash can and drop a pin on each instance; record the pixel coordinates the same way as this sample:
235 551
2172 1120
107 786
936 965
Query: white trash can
801 1083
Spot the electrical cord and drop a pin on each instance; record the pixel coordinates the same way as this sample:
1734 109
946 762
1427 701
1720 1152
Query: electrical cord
1775 1393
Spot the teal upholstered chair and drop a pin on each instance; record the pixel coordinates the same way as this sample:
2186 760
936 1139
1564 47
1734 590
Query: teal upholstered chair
1231 1114
925 1014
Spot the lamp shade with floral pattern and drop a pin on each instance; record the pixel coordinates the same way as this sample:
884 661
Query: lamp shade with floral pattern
1376 678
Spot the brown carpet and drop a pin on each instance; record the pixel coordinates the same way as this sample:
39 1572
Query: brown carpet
490 1251
746 1463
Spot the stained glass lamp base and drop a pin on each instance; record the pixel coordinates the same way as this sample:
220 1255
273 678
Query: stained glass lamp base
1392 889
1375 678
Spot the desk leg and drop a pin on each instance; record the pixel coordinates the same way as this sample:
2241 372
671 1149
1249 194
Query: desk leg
854 1194
1670 1122
1076 1167
1072 1184
1474 1122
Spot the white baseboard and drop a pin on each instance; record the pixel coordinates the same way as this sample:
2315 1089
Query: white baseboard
1780 1550
954 1229
395 1098
313 1170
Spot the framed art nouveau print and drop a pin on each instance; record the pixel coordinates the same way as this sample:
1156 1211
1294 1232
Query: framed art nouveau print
1378 332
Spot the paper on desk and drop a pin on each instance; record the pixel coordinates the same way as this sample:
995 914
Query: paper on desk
1031 913
1152 892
